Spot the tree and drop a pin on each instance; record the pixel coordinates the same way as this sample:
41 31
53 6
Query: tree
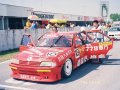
115 17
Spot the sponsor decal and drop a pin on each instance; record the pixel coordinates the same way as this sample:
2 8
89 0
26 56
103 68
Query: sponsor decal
93 56
77 53
65 55
82 60
96 48
51 54
105 43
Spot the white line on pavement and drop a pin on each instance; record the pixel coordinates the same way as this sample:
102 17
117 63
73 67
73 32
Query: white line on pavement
12 81
13 87
28 83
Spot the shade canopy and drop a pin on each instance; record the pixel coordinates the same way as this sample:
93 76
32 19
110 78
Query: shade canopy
33 17
57 21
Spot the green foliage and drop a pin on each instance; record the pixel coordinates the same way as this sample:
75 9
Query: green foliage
115 17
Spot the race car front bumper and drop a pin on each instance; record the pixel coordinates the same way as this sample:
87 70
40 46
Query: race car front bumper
39 74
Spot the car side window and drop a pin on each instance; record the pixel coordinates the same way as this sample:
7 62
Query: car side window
78 41
85 38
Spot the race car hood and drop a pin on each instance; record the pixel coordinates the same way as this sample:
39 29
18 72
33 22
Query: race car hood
42 54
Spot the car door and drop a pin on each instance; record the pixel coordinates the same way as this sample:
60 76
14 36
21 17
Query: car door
80 52
26 42
98 49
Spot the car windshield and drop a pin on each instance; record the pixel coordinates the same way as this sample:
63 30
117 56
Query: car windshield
115 29
55 40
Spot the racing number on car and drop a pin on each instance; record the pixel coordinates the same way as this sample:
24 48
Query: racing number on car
77 53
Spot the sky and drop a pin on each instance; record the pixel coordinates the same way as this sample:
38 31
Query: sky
75 7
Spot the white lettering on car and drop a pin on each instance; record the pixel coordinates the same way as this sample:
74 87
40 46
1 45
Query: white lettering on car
82 60
65 55
93 57
96 48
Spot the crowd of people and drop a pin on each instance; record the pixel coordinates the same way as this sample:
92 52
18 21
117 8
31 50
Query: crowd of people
35 25
96 25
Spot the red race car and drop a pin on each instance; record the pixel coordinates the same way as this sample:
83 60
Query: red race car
56 55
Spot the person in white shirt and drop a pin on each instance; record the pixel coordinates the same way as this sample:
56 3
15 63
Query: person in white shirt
96 26
48 26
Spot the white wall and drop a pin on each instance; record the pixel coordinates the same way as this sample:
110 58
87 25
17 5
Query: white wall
10 39
3 10
17 11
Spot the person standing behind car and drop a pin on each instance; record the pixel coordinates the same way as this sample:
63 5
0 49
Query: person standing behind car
54 29
96 26
28 24
33 26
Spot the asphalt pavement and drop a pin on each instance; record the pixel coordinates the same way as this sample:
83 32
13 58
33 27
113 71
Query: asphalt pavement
89 76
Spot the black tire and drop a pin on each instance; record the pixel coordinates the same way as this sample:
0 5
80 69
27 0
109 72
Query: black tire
101 61
67 68
95 61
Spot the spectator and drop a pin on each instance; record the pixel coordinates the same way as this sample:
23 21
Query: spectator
62 25
54 29
43 26
83 28
28 24
106 28
37 25
57 25
72 25
48 26
97 36
33 26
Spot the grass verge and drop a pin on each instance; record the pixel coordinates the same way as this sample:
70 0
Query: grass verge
7 55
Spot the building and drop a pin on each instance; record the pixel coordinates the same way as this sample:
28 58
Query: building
13 17
77 19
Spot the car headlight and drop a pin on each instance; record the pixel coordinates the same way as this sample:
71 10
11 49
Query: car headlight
16 61
48 64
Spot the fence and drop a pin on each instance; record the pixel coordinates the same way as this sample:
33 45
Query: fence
10 39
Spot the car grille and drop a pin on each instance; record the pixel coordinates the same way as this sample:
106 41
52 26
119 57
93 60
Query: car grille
27 72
